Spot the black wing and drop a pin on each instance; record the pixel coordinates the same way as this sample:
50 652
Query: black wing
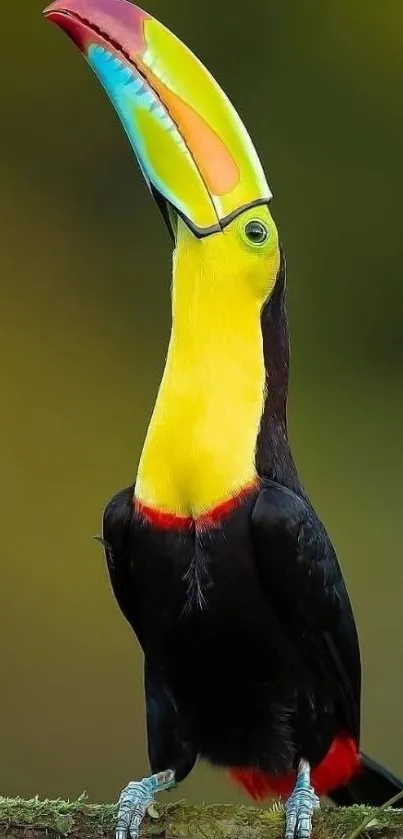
300 573
117 521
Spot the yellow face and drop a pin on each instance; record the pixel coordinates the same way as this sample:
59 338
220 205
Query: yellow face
200 447
243 260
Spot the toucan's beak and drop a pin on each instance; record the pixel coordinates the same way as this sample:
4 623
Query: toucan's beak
191 145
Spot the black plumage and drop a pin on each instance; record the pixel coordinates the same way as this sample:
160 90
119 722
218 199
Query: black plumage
251 651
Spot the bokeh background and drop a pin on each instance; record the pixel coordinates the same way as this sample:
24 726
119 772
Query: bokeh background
85 314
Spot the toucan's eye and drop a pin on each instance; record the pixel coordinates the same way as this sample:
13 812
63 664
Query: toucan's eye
256 232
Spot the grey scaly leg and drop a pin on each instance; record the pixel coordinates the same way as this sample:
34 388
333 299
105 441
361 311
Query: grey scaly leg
135 800
300 805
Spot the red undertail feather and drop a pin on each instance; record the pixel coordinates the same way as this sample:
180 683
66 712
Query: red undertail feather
341 762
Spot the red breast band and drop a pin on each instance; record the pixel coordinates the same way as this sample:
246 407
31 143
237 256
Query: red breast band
171 521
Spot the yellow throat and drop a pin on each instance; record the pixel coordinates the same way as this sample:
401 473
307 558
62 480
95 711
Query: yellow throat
200 445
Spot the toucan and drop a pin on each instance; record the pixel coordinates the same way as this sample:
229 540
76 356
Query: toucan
216 555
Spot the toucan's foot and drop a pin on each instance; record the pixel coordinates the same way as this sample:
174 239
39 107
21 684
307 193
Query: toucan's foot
300 806
136 799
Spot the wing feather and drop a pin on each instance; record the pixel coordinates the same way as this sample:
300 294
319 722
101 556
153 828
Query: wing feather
300 573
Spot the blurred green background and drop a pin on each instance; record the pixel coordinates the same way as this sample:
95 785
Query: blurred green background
85 315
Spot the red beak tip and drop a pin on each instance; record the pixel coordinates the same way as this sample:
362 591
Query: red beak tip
56 6
49 11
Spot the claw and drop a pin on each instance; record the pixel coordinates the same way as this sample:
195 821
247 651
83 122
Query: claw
152 812
137 799
300 806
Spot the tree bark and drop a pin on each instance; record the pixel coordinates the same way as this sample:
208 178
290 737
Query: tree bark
37 819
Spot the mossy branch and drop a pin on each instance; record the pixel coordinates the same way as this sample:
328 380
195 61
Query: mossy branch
37 819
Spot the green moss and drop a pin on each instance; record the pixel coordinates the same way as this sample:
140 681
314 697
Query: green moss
62 817
81 820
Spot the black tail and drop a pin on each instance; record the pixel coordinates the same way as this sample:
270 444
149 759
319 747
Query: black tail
374 785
